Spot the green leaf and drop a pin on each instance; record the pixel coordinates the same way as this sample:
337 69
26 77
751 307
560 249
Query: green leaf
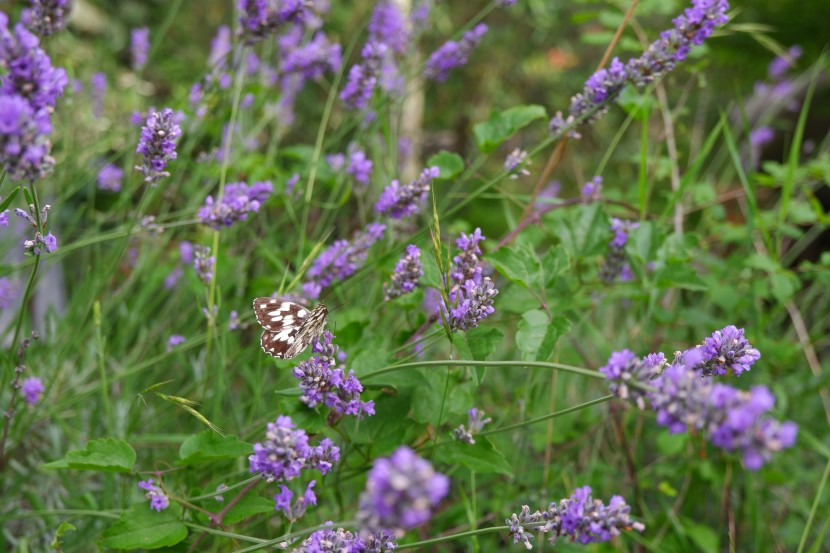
208 446
480 457
554 262
679 275
784 285
558 327
4 205
704 537
586 232
144 528
249 505
64 527
519 264
450 164
504 124
531 333
106 455
483 341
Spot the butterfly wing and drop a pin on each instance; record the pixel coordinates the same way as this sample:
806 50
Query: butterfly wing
289 327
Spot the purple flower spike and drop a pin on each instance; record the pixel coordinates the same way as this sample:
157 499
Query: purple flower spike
401 492
46 17
285 452
157 144
360 167
580 518
475 302
139 47
451 54
343 541
614 265
408 272
109 178
727 349
401 202
260 18
476 421
341 260
239 199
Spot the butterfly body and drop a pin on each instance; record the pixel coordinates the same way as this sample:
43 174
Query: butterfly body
289 327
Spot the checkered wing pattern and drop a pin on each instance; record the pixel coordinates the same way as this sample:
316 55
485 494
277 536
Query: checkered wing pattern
289 327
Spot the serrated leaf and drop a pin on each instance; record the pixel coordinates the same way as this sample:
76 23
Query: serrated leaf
519 264
209 446
554 262
483 341
449 163
502 125
144 528
557 328
105 455
481 457
585 232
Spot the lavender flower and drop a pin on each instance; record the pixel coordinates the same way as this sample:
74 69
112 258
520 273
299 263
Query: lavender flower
238 200
8 293
4 218
592 190
727 349
285 452
388 26
109 178
580 517
203 262
158 499
98 89
363 77
340 541
505 3
408 271
761 136
624 368
516 164
139 47
323 382
314 58
234 322
360 167
400 202
260 18
28 69
781 64
336 161
691 28
466 265
24 140
32 389
401 492
453 54
175 340
282 501
476 422
729 418
46 17
158 144
220 47
474 303
341 260
614 262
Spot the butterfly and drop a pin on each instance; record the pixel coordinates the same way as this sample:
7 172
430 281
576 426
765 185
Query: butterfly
289 327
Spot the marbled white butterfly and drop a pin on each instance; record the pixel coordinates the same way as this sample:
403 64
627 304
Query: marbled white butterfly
289 327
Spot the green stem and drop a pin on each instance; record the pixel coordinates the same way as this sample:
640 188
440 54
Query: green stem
470 363
451 537
819 495
553 415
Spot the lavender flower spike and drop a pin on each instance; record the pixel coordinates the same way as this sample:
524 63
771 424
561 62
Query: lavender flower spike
401 492
451 54
407 273
158 499
32 389
158 144
727 349
283 453
475 302
341 260
400 202
46 17
476 422
580 517
139 47
238 200
516 164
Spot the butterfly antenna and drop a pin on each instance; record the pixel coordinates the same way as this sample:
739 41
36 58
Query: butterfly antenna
338 306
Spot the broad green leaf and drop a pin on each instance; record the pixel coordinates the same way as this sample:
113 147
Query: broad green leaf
531 333
106 455
450 164
209 446
144 528
387 428
784 284
704 537
585 231
483 341
481 457
520 264
504 124
679 275
557 328
64 527
554 262
249 505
